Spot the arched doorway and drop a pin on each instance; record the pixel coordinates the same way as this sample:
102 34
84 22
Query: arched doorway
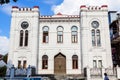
59 64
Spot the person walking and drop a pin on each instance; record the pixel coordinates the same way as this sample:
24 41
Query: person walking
106 77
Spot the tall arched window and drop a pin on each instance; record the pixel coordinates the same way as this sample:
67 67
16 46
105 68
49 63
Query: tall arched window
95 33
24 64
98 37
21 38
45 62
26 38
60 34
19 64
74 34
45 34
93 37
75 62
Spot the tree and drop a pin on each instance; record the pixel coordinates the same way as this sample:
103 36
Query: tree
3 71
5 58
6 1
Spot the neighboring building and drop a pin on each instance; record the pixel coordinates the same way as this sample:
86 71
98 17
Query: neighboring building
115 40
60 44
112 15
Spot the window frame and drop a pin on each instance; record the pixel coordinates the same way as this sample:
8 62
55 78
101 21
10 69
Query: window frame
74 38
45 36
44 62
74 62
60 29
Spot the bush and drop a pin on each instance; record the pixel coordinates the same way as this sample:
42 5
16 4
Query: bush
3 71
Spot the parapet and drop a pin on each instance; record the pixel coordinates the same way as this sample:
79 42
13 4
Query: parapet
16 8
93 8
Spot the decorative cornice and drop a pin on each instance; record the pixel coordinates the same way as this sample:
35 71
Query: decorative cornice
71 18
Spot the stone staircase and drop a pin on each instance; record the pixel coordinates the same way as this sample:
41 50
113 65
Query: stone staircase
69 77
62 77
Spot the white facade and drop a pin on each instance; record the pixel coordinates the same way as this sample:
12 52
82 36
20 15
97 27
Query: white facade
67 54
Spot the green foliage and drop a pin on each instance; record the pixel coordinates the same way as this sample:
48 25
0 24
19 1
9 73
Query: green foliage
3 71
15 0
6 1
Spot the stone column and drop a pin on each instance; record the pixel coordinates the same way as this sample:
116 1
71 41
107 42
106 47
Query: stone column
88 73
118 72
29 71
103 71
12 72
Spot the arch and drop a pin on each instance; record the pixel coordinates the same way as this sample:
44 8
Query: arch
74 28
59 54
45 28
60 28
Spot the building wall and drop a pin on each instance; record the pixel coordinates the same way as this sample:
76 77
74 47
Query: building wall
29 52
89 52
35 50
52 48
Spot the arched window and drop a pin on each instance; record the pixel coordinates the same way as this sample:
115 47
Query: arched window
24 64
98 37
45 34
45 62
60 34
19 64
75 62
26 38
93 38
95 33
21 38
74 34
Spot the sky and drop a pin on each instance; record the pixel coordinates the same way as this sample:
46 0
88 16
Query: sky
47 7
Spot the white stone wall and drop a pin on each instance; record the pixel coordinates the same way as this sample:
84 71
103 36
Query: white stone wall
28 53
89 53
52 48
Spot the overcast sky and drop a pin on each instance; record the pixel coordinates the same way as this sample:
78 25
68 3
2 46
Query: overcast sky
47 7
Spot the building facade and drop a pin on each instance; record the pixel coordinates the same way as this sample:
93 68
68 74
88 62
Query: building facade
60 44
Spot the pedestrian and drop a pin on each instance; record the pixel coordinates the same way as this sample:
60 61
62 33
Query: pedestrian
106 77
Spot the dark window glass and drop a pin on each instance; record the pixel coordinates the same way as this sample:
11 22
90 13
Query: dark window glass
26 38
93 38
19 64
45 62
21 38
45 34
24 63
98 38
75 62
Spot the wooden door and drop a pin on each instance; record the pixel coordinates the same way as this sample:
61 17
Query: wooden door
60 64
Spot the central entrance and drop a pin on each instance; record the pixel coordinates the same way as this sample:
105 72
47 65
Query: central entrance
59 64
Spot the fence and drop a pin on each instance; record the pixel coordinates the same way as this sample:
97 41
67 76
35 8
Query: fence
91 73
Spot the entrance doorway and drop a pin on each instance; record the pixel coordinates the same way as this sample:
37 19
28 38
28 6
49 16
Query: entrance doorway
59 64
